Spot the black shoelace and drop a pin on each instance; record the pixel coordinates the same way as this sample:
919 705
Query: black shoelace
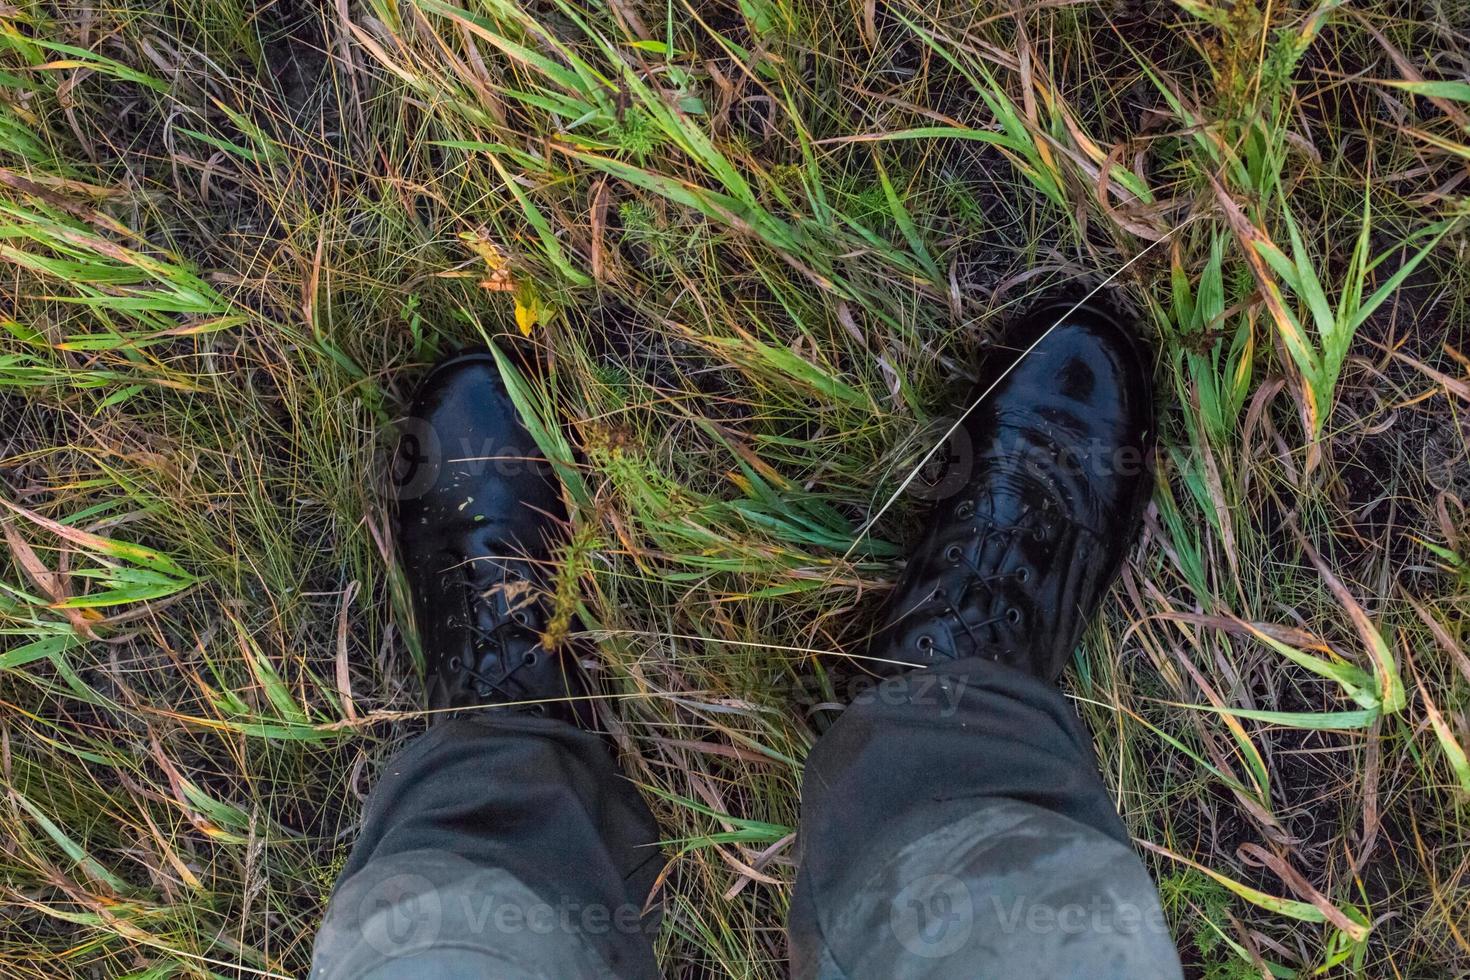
494 638
988 581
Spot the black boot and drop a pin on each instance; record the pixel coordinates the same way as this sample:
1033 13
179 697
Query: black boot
478 513
1015 561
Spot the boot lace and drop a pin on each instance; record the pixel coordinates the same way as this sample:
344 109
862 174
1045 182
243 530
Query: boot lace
507 599
990 582
980 572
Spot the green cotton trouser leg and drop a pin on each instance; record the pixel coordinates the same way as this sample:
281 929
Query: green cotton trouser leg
954 825
508 846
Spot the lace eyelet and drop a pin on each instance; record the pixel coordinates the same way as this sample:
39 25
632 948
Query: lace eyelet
538 709
924 642
964 509
1023 575
1039 533
530 658
953 554
520 617
455 663
1013 615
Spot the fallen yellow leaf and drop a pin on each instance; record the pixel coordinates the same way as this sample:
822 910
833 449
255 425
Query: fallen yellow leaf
529 308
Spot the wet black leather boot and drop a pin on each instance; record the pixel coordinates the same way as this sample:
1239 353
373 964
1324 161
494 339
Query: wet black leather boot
478 513
1016 559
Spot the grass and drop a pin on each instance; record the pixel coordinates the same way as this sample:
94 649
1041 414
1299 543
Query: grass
742 255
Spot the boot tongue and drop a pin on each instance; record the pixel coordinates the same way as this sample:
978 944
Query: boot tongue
1017 495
